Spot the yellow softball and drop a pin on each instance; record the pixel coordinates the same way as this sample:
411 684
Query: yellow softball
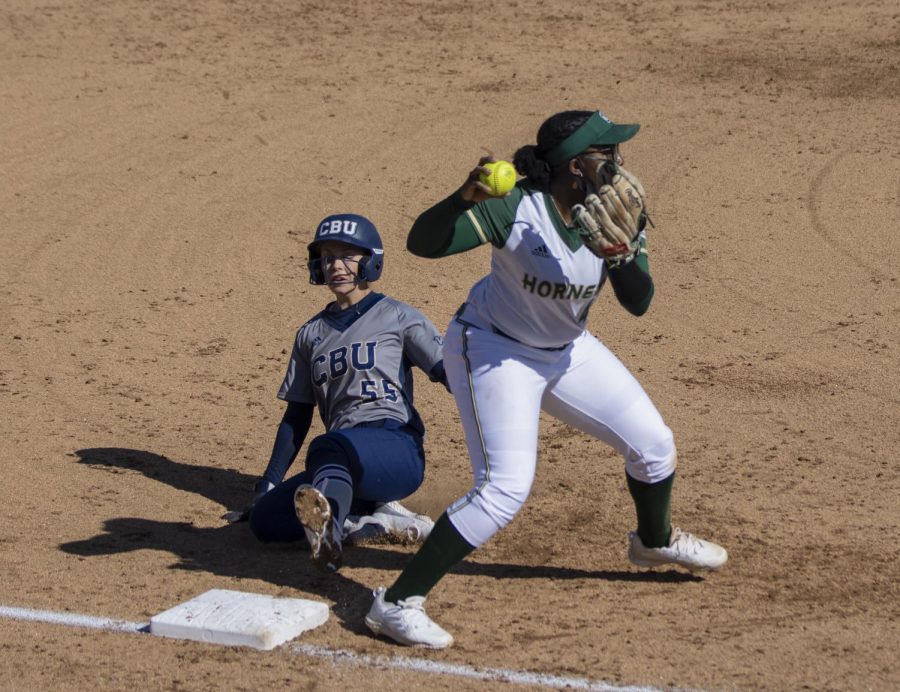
501 179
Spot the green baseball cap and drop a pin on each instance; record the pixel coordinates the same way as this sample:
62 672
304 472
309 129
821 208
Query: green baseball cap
596 130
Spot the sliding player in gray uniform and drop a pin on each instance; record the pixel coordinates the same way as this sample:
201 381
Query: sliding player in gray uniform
519 345
353 362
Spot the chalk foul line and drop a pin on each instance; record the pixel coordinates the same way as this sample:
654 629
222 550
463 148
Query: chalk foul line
419 665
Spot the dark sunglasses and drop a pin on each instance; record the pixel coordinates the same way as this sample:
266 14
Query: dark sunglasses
607 151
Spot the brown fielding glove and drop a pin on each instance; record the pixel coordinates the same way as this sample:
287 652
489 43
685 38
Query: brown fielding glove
611 220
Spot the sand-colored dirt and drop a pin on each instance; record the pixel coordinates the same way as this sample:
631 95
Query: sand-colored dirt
163 165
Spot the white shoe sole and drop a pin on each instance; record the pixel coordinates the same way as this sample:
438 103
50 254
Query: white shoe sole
651 562
381 631
650 565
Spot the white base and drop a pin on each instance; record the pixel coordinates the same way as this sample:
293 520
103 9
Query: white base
235 618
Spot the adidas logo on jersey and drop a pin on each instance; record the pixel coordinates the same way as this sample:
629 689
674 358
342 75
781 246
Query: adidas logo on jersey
541 251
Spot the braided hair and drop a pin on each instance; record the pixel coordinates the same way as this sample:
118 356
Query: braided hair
529 160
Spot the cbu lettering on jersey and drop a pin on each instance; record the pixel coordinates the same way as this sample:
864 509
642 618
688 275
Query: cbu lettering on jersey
362 372
334 363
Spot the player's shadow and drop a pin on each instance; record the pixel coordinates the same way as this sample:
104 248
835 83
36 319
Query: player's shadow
498 570
225 486
231 550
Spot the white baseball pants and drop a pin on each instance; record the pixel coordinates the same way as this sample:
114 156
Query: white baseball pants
500 387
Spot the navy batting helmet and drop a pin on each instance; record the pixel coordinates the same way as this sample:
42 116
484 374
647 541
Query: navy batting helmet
354 230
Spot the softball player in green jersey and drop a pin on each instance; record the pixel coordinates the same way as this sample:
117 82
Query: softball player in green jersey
519 345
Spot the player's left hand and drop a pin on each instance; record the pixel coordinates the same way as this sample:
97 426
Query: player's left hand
611 220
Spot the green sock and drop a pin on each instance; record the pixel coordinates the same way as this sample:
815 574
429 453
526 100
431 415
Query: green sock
652 500
443 548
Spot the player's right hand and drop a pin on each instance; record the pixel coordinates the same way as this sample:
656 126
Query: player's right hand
260 488
473 190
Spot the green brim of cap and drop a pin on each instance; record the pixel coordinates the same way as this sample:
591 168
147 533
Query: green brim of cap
597 130
618 134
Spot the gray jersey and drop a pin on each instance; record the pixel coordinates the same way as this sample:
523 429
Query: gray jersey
354 365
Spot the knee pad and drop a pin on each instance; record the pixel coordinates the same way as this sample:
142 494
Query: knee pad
485 510
499 503
654 463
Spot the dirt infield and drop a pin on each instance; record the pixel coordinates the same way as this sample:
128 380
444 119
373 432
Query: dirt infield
163 165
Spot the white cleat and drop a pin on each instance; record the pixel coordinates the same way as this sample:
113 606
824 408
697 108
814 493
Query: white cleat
314 512
390 520
406 622
403 522
684 549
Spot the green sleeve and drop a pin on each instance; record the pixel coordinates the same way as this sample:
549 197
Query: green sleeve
632 283
453 225
441 230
